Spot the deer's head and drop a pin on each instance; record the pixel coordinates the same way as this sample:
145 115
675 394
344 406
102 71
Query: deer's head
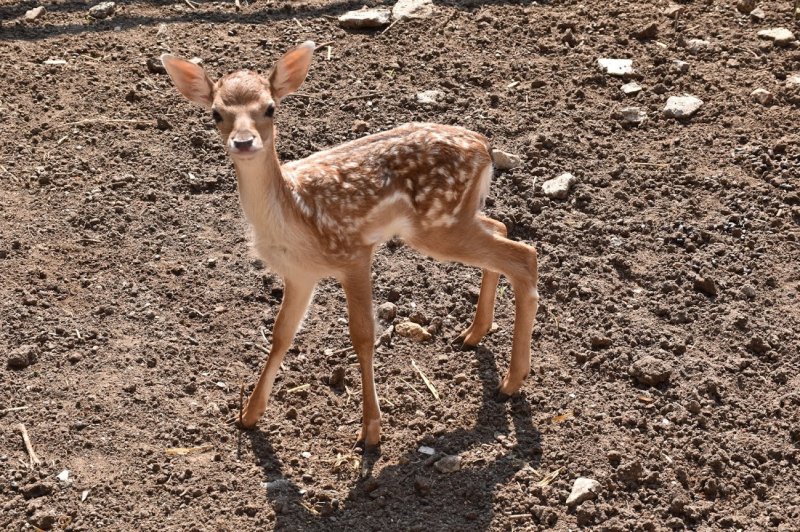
242 103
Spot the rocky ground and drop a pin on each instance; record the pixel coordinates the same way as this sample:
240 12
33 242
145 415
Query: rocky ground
666 353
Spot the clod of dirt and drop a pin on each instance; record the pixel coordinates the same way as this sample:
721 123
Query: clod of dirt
569 37
779 36
650 370
505 161
404 9
599 341
154 66
632 116
583 489
682 106
36 489
336 379
21 357
43 519
630 471
763 97
422 486
448 464
360 126
559 187
758 346
102 10
365 19
745 6
412 330
33 14
631 89
650 31
706 285
387 311
616 67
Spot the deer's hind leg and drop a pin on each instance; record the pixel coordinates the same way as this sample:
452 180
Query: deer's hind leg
484 313
474 244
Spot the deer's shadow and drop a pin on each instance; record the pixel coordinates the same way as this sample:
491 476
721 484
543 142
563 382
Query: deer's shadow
410 493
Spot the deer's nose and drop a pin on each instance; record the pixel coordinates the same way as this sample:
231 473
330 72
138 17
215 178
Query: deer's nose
243 144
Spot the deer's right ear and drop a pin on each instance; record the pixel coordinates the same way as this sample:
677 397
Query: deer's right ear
190 80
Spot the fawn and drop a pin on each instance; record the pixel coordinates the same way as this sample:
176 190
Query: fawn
324 215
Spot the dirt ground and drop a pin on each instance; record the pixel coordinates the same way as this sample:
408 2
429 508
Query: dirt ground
131 309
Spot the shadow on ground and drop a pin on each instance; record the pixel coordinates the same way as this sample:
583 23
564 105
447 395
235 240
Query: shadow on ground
405 495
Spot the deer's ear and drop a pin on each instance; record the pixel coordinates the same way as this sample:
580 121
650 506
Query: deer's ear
190 80
290 71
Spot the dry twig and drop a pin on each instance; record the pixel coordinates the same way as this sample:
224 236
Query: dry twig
34 460
428 383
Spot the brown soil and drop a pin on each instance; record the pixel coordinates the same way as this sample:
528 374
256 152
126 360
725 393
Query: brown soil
125 276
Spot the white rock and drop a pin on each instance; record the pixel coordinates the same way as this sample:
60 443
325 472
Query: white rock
424 449
633 115
55 62
780 36
102 10
616 67
680 66
505 161
365 19
558 188
448 464
33 14
305 454
762 96
583 489
793 80
682 106
696 46
277 484
412 9
429 97
632 88
64 476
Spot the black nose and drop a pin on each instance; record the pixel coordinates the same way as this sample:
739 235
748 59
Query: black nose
243 144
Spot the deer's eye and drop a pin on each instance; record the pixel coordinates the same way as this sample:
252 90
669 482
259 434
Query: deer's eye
270 110
216 116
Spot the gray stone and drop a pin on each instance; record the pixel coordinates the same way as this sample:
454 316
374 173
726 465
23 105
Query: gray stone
616 67
780 36
404 9
559 187
632 115
505 161
102 10
758 14
387 311
583 489
448 464
762 96
650 370
631 89
33 14
680 66
674 10
429 97
365 19
696 46
682 106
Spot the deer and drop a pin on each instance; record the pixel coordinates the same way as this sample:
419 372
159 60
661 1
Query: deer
324 216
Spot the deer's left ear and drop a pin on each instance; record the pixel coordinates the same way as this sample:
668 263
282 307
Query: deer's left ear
290 71
190 80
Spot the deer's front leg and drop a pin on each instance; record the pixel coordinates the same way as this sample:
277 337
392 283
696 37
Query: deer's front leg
357 286
296 297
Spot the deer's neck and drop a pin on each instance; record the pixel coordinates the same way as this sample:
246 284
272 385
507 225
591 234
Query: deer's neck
263 193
